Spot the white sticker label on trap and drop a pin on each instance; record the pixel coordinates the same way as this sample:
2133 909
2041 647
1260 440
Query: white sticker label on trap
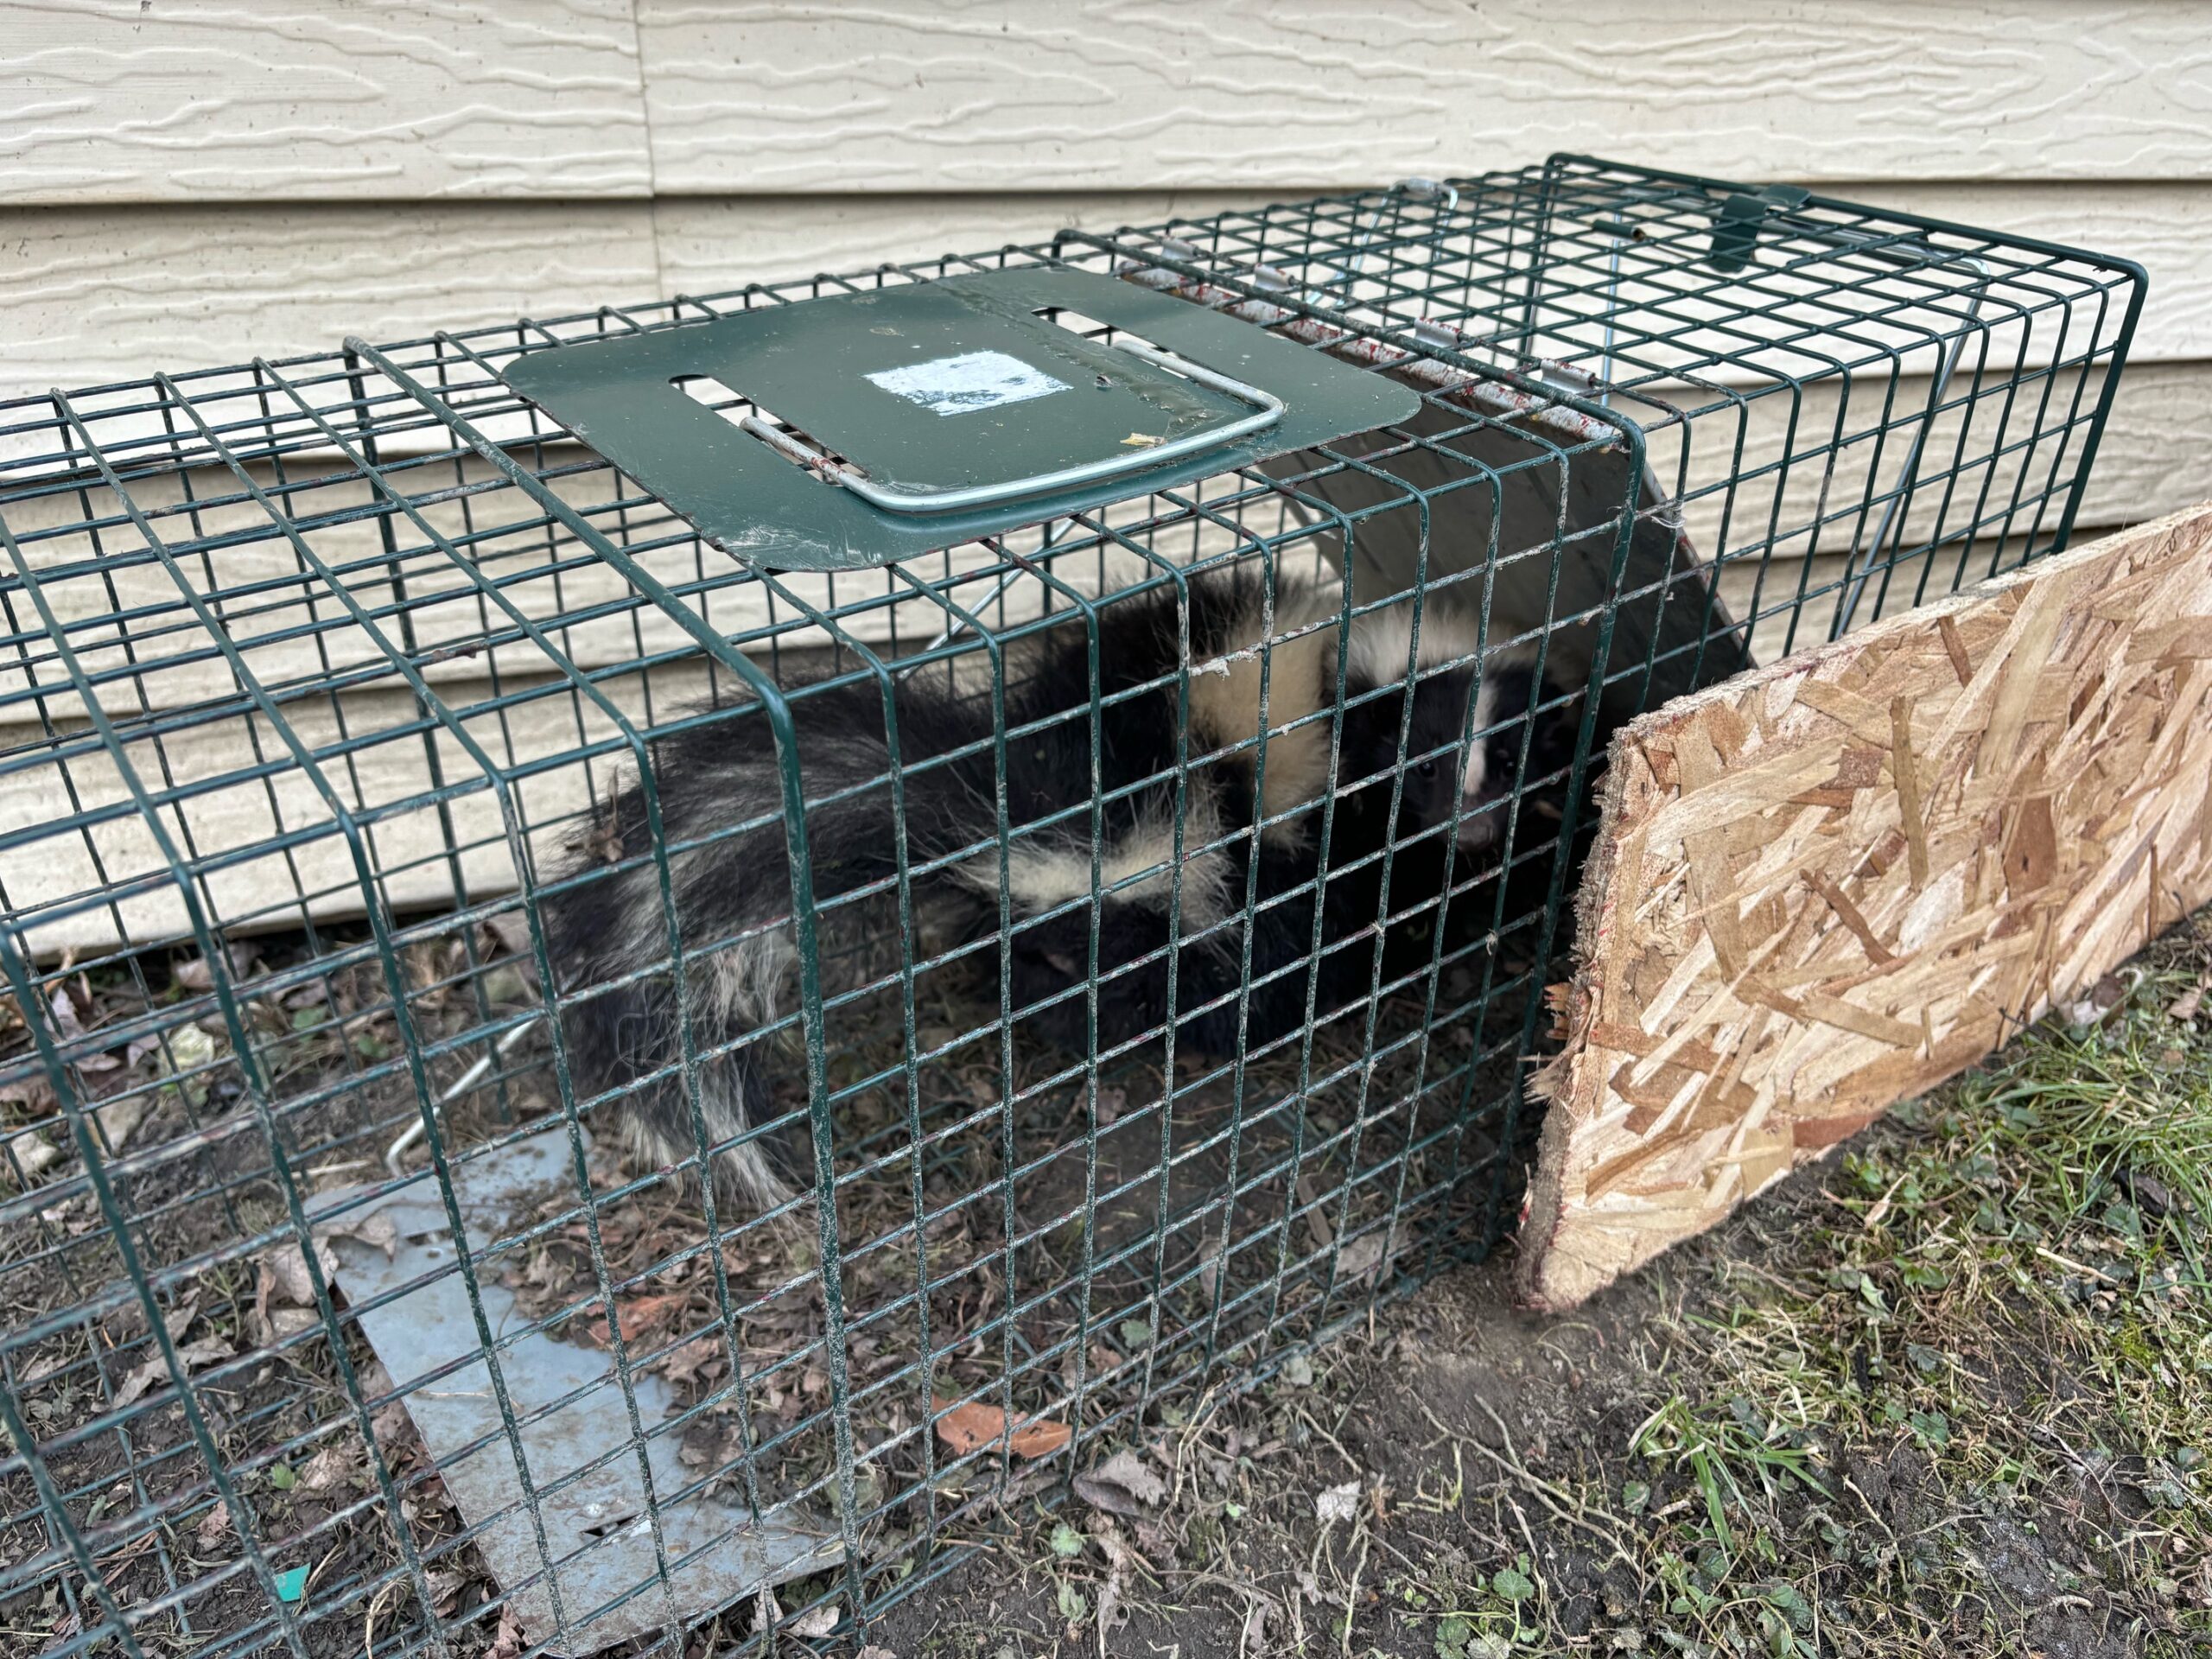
954 386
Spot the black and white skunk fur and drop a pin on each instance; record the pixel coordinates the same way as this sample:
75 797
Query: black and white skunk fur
1246 871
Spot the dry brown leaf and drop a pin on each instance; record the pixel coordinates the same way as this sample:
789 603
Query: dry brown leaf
1361 1256
284 1277
1103 1495
874 1652
694 1357
375 1228
446 1586
194 975
336 1464
69 1026
1111 1614
32 1154
119 1118
970 1427
193 1355
1337 1502
391 1426
2184 1007
1130 1472
1255 1639
33 1093
815 1622
642 1316
510 1641
282 1322
214 1526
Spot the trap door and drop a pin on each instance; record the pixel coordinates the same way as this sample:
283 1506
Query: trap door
1671 633
865 428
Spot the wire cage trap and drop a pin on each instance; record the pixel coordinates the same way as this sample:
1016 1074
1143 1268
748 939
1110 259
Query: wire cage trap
661 952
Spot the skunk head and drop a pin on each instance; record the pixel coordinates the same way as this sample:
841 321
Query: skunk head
1442 776
1491 768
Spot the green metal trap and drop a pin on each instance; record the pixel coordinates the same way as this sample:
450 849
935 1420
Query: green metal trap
326 684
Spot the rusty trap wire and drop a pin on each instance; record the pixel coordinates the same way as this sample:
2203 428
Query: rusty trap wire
375 986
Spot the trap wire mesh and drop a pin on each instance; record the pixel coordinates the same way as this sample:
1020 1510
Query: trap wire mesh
328 690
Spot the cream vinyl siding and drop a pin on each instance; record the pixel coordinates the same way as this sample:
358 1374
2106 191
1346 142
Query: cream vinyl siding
191 182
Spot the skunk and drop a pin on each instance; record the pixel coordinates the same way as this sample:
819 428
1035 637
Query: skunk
1156 747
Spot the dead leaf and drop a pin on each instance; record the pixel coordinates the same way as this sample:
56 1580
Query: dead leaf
874 1652
695 1357
374 1228
642 1316
194 975
69 1026
1111 1614
1337 1504
284 1277
1101 1495
33 1094
815 1621
178 1321
392 1426
2149 1193
446 1587
1360 1258
2184 1007
973 1426
119 1118
33 1154
1317 1223
335 1465
282 1322
1255 1640
192 1356
214 1527
1121 1485
510 1642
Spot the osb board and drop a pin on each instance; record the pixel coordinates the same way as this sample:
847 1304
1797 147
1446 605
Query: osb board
1825 885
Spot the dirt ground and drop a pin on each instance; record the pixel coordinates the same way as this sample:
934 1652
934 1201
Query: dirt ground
1950 1392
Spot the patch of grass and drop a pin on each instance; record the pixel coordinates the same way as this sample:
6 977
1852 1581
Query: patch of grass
1990 1325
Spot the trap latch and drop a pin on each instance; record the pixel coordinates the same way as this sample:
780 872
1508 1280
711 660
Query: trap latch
868 427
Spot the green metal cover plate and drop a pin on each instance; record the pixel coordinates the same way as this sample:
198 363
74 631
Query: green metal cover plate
936 386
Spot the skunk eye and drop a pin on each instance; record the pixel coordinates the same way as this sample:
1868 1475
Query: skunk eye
1427 768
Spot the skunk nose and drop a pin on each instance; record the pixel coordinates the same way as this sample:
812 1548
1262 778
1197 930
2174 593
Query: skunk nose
1481 824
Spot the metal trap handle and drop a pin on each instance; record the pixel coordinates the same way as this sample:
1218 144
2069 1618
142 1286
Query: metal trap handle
1267 409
